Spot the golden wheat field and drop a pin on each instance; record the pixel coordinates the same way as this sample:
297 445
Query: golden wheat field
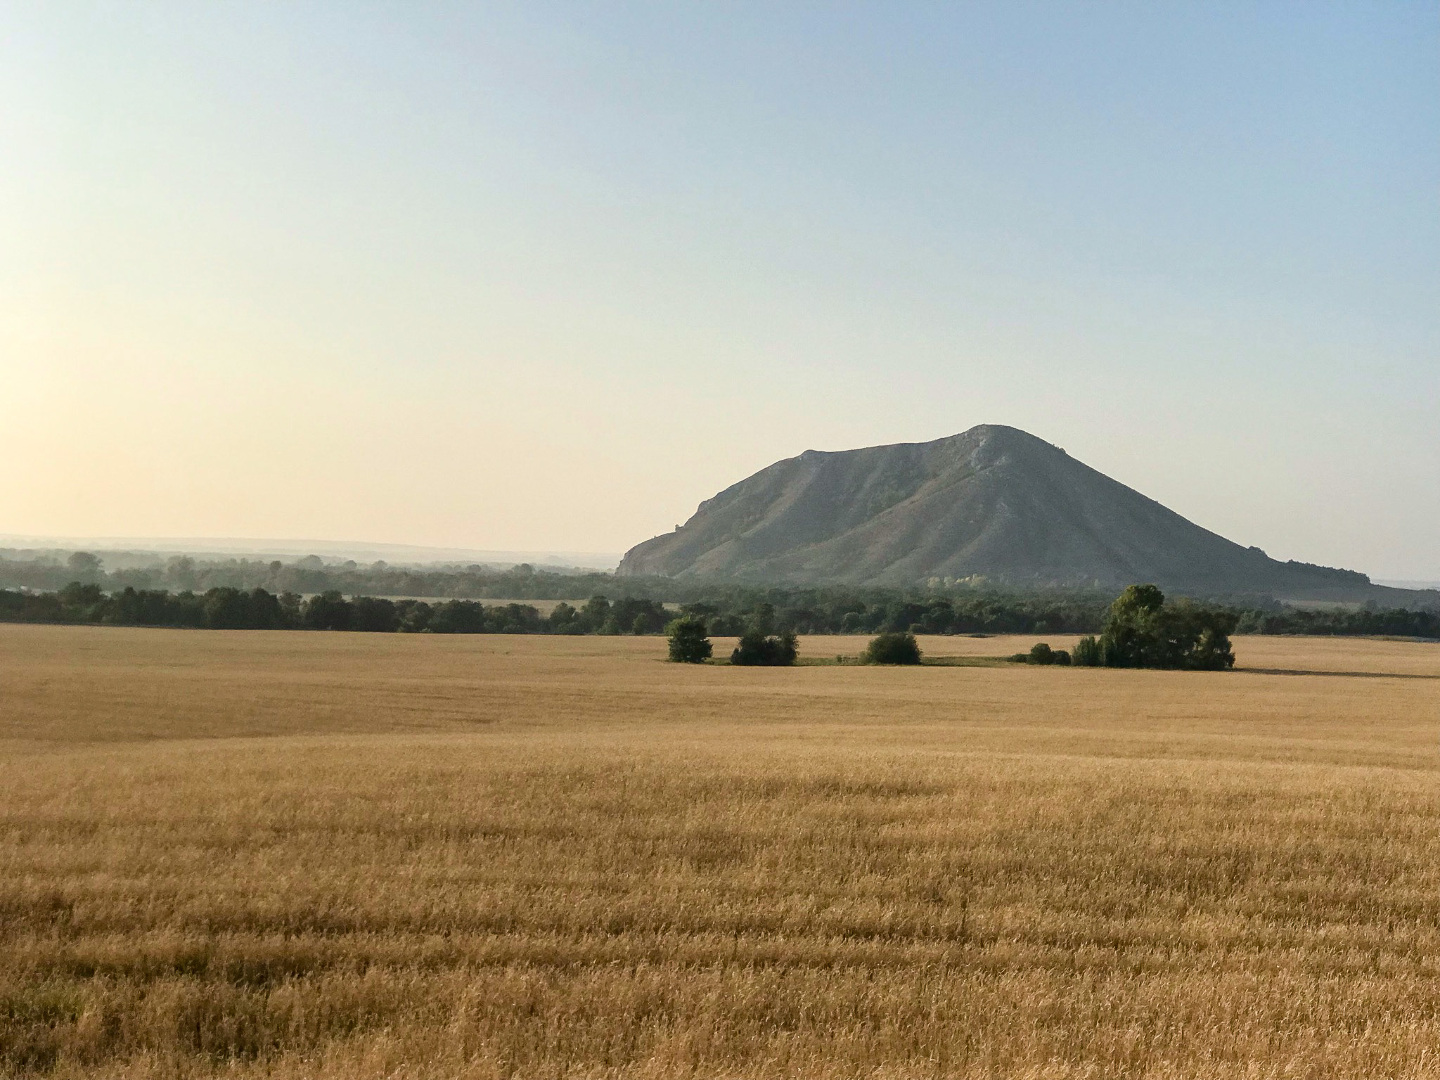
344 855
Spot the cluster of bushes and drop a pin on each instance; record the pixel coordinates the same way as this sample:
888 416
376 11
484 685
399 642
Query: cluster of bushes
690 644
1041 653
760 644
756 649
1142 630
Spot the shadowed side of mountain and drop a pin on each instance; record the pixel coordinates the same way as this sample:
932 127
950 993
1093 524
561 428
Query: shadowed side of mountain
992 502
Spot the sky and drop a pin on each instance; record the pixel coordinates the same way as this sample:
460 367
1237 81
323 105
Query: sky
542 276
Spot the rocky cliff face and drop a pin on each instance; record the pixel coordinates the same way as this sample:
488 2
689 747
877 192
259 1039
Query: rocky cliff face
993 501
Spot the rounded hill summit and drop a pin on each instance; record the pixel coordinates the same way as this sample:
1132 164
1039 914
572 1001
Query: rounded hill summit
993 502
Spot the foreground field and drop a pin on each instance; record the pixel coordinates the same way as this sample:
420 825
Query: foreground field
346 855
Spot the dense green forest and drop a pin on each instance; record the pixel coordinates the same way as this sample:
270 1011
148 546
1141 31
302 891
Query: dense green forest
725 612
1392 622
225 608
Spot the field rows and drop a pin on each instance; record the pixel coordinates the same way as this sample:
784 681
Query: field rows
312 855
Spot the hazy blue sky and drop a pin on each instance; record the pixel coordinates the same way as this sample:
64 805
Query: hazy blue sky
545 276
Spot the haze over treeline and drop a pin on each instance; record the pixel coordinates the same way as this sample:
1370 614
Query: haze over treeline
309 594
312 574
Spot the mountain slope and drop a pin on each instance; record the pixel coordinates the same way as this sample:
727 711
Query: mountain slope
993 501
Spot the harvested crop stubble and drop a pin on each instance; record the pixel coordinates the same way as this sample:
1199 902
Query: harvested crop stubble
226 854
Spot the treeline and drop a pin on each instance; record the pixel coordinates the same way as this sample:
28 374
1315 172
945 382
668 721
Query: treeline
844 611
257 609
1395 622
726 612
957 609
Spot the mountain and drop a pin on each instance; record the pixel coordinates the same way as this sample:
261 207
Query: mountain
993 502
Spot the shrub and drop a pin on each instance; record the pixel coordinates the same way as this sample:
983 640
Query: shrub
897 648
761 650
1041 653
1143 631
688 641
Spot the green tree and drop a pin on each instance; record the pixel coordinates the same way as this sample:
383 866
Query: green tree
762 650
414 616
1198 638
85 566
689 643
1088 652
1041 653
292 606
595 614
328 611
562 619
180 572
81 602
1133 636
892 648
1143 631
762 619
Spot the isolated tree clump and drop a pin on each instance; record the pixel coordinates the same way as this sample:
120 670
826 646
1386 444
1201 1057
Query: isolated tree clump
689 643
765 650
1041 653
1142 630
896 648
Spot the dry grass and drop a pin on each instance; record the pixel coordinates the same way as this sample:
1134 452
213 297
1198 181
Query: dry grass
332 855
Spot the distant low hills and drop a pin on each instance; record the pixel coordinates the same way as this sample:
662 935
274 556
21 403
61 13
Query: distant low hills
143 551
992 503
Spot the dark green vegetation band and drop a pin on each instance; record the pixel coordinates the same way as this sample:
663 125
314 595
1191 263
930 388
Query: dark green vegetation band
726 612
